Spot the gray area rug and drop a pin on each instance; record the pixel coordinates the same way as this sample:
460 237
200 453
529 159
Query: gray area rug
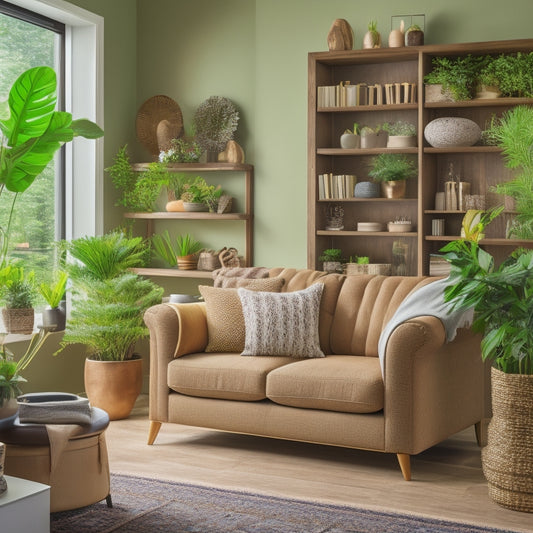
142 505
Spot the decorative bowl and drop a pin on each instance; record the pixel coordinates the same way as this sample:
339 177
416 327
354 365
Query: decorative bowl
369 226
452 131
400 227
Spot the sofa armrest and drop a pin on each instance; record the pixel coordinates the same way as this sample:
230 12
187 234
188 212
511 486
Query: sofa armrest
433 388
168 328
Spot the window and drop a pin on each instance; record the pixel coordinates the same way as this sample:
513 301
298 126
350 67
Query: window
29 40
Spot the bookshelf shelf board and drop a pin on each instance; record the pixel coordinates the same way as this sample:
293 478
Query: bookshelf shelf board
197 167
381 107
480 102
365 151
173 273
489 241
462 150
444 212
365 200
187 215
346 233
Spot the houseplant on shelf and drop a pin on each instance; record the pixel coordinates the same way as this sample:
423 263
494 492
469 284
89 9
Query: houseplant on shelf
187 252
501 297
108 303
54 317
402 134
17 292
392 171
331 259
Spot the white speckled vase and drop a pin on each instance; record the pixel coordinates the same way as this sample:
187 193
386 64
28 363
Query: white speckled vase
452 131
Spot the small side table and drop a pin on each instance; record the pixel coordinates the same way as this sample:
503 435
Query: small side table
25 506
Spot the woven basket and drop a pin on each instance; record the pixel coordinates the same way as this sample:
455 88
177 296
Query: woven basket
381 269
208 260
18 320
508 457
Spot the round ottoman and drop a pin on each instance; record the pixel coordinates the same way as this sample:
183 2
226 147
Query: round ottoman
72 459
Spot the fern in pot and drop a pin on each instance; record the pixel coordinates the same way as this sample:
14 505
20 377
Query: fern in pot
108 304
502 299
392 171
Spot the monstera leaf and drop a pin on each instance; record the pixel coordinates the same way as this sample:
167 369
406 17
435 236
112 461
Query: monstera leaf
34 131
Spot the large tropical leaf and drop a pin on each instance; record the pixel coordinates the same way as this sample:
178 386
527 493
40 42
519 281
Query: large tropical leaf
32 100
85 128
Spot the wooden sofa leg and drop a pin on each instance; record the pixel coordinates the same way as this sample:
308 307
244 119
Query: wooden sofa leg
154 430
481 432
405 464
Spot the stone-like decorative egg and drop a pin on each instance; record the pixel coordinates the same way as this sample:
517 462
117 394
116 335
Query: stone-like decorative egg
452 131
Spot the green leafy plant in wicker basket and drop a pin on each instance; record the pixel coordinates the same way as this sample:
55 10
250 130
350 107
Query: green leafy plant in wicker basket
17 288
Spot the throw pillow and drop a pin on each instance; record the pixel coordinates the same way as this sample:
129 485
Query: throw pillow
225 321
282 324
231 276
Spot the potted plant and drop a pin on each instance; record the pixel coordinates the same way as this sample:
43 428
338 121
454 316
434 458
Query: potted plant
108 303
33 133
17 291
199 196
11 378
455 77
187 252
392 171
331 258
414 36
54 317
374 137
372 38
508 75
500 297
215 122
351 139
513 133
402 134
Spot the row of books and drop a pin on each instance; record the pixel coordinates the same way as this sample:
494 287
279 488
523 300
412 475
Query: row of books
336 186
347 95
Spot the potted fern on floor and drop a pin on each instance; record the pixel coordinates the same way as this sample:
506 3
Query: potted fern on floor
108 304
502 300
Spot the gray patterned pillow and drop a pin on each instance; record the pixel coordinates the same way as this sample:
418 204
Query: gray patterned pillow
282 323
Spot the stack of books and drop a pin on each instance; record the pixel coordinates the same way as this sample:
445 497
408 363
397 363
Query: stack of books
347 95
336 187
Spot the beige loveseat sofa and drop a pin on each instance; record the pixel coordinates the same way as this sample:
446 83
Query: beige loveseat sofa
428 390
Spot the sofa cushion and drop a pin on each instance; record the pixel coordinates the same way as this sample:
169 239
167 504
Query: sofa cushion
225 321
223 375
227 277
348 384
282 324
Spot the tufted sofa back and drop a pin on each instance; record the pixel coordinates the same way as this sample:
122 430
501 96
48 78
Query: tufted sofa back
354 309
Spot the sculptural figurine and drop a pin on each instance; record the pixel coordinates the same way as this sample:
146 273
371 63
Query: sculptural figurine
3 482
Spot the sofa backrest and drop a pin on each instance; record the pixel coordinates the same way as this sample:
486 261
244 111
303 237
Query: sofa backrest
364 306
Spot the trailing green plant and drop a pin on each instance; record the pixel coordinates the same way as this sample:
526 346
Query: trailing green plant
331 255
512 74
215 122
513 133
458 75
187 245
163 247
501 297
392 167
54 292
182 150
140 190
108 319
32 134
401 127
10 370
17 287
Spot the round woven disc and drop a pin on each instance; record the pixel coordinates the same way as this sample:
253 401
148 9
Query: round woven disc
151 113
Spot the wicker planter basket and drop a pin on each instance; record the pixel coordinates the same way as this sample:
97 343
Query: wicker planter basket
208 260
18 320
382 269
508 456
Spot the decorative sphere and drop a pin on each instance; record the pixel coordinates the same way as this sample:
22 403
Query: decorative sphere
452 131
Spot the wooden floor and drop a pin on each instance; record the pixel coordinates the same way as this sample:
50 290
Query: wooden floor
447 480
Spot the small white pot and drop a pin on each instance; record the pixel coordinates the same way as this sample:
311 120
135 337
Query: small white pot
350 141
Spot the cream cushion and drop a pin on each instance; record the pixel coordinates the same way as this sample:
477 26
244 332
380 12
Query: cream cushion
348 384
225 321
226 376
282 324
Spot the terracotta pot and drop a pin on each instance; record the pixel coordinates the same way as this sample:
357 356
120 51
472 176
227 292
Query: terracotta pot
508 457
393 189
113 385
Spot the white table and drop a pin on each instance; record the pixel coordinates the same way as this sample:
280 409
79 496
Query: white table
25 507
